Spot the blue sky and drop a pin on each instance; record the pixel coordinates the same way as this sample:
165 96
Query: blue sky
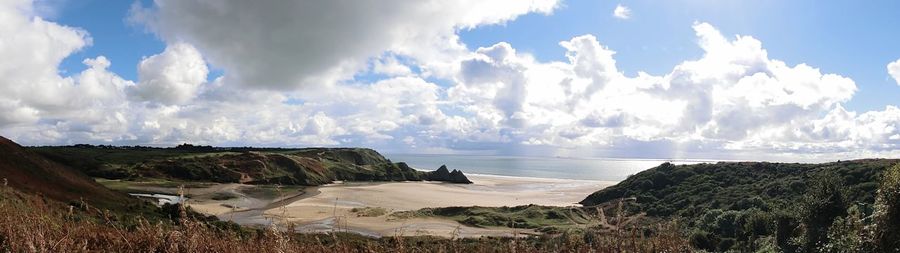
492 76
850 38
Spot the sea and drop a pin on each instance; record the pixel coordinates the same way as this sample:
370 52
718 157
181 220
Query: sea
603 169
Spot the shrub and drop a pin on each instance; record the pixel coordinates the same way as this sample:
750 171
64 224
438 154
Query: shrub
849 234
703 240
785 229
887 211
758 223
726 244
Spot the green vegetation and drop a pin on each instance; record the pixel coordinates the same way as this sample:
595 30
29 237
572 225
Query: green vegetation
306 166
886 217
369 211
529 216
752 206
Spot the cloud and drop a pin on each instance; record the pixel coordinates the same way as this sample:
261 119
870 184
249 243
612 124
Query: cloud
31 89
171 77
389 65
288 44
893 69
622 12
734 99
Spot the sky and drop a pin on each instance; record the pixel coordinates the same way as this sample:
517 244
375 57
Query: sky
701 79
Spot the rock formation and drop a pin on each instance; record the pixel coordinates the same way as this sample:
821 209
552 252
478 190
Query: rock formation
444 175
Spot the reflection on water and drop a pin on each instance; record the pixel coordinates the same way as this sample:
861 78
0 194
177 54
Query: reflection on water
160 198
542 167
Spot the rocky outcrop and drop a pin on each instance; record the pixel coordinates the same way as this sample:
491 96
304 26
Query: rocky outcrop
441 174
445 175
456 176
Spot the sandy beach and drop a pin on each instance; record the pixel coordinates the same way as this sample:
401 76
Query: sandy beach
485 191
330 207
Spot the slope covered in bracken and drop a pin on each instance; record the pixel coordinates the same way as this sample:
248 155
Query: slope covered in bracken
32 173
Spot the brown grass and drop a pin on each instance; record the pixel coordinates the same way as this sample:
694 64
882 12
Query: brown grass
30 223
30 172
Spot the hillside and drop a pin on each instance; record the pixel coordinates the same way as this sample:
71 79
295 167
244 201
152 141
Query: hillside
29 172
306 166
684 190
730 205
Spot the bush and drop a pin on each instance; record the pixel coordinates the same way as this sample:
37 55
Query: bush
887 212
726 244
477 221
785 228
728 224
703 240
849 234
748 203
823 202
758 223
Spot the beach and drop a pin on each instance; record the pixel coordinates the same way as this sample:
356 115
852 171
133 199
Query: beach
331 207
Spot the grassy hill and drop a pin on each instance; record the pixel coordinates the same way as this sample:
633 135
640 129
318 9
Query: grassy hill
686 190
306 166
30 172
739 205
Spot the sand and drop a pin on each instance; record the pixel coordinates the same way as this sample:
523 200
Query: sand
486 191
328 208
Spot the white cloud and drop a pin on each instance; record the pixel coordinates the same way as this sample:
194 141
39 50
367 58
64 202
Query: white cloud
389 65
622 12
893 69
288 44
30 87
734 98
171 77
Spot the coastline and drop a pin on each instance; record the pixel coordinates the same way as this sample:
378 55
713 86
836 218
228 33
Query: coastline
333 207
337 206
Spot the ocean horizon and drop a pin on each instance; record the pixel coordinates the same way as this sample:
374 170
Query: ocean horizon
602 169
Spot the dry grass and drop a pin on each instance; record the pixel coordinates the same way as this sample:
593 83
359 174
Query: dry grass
31 223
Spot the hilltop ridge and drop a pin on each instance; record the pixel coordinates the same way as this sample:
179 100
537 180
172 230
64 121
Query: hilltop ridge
302 166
